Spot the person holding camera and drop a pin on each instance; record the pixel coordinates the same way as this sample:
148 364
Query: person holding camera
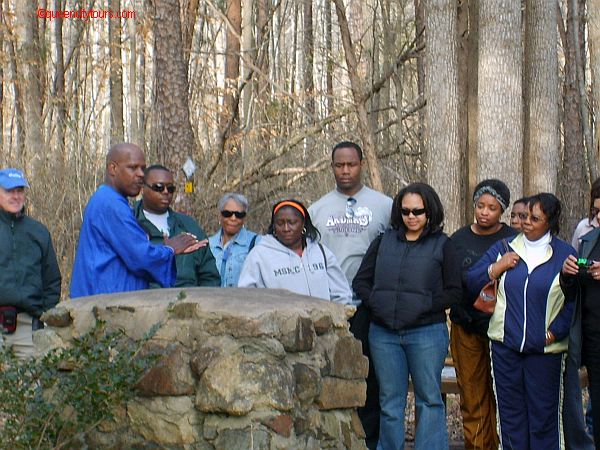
581 278
30 278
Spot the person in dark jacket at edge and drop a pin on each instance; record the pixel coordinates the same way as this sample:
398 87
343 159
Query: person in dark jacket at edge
408 278
154 214
29 274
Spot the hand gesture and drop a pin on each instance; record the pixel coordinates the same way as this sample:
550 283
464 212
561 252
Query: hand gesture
570 266
185 243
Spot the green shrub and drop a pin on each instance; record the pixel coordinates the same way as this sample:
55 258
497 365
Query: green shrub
52 401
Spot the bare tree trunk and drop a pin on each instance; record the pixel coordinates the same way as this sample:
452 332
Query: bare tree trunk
578 18
444 159
308 50
541 126
134 107
594 44
500 135
247 48
262 41
572 180
117 132
329 56
359 96
141 88
420 26
467 24
29 75
175 137
232 59
59 83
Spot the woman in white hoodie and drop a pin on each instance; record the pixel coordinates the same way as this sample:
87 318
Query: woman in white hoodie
291 257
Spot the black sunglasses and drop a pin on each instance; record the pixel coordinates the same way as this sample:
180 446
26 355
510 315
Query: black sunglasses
237 214
160 187
415 212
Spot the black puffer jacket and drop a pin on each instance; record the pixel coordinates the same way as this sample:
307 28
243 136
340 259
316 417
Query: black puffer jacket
29 274
407 284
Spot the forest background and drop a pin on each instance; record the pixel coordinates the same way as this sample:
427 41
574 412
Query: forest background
256 93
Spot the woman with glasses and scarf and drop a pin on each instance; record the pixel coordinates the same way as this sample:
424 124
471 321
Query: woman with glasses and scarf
408 278
232 243
529 328
291 257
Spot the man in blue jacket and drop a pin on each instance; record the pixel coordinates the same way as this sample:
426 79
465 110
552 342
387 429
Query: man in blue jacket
30 278
114 254
156 217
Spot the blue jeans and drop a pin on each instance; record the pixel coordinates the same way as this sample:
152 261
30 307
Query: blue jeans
419 352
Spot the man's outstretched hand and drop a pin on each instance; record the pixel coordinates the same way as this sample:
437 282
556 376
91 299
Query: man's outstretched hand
185 243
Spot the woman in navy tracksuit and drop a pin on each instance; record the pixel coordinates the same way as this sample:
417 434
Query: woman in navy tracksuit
529 328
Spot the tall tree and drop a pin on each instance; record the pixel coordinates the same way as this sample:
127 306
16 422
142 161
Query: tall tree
175 136
117 132
444 161
359 96
468 53
541 125
500 130
329 57
572 181
29 75
59 81
594 42
308 51
232 59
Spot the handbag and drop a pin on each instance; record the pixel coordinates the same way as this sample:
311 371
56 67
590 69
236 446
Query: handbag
486 300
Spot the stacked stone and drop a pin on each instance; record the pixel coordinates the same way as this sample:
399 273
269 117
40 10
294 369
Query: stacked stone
239 369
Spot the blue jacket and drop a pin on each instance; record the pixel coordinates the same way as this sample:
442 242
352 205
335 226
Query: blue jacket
114 254
231 259
527 304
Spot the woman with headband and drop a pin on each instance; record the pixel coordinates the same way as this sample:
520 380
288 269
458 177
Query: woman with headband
469 343
290 257
407 279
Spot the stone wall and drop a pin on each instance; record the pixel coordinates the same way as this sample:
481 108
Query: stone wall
240 369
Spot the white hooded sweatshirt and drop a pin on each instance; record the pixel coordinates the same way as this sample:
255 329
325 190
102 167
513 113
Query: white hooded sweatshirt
271 264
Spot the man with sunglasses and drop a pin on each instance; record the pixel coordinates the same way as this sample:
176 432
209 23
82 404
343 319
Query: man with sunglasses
114 254
349 217
154 214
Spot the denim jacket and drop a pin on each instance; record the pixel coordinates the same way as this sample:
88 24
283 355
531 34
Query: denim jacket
231 259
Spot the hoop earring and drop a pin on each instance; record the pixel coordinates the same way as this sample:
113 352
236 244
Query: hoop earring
304 231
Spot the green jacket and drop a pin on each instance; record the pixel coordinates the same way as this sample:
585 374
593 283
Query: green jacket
193 269
29 274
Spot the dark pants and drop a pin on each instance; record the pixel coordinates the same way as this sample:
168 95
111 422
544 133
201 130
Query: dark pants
576 436
370 413
591 359
528 396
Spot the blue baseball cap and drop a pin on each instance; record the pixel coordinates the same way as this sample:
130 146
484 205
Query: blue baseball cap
12 178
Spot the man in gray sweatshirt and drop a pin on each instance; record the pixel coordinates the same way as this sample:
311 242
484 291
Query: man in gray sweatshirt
349 217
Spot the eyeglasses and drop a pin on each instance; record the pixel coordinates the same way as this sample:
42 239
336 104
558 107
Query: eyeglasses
160 187
531 217
415 212
238 214
349 204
